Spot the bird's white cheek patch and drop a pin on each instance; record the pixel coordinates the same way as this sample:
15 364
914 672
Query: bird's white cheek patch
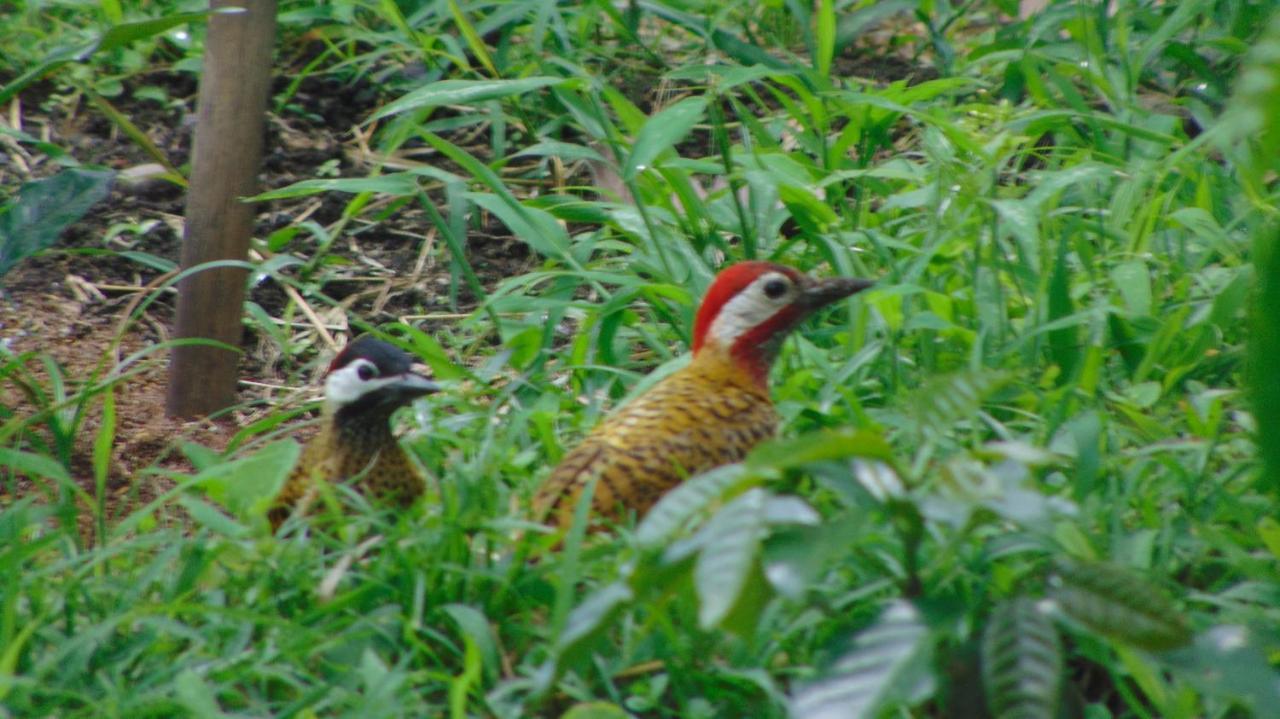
345 386
745 310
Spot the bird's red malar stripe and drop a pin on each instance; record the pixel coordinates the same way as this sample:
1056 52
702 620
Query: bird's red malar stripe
728 283
756 348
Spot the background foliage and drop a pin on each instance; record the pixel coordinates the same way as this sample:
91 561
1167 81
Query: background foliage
1020 478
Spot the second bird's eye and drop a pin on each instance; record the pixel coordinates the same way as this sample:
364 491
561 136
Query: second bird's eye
775 288
367 371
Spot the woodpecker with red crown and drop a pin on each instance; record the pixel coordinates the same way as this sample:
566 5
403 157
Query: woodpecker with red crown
710 412
367 382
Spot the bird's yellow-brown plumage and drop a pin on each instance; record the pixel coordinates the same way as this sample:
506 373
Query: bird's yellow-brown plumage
707 414
367 382
704 415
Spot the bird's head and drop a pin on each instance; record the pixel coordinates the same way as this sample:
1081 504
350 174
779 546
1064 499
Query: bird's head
752 306
372 376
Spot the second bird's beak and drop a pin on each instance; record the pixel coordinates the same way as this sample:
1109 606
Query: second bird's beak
821 293
406 388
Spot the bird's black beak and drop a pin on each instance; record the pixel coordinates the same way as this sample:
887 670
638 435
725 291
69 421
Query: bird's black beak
410 386
821 293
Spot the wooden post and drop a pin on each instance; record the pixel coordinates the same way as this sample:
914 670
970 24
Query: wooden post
226 158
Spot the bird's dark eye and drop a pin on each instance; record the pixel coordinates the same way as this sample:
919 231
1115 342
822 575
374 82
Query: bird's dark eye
775 288
367 371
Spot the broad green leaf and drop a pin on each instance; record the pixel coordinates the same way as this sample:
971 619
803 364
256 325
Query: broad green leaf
878 479
1117 603
1134 282
789 510
690 497
128 33
1064 343
464 92
585 624
796 558
563 150
474 41
30 463
813 215
1204 226
595 710
856 19
1232 662
825 34
828 444
888 662
103 444
119 35
246 486
1264 349
1257 100
396 185
474 624
661 132
1269 532
1022 220
1021 661
196 696
947 399
730 546
741 51
42 209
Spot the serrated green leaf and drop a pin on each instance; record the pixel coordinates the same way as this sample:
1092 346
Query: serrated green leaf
1021 661
211 517
474 624
888 660
1117 603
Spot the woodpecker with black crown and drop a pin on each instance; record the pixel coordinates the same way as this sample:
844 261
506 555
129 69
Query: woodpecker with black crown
365 384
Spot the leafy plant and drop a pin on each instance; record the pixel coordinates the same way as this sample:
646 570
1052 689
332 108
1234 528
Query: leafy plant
1020 477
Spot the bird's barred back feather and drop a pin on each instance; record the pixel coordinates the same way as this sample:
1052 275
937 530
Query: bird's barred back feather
369 452
703 416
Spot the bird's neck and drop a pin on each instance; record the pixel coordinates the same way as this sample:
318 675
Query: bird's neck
363 434
746 367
